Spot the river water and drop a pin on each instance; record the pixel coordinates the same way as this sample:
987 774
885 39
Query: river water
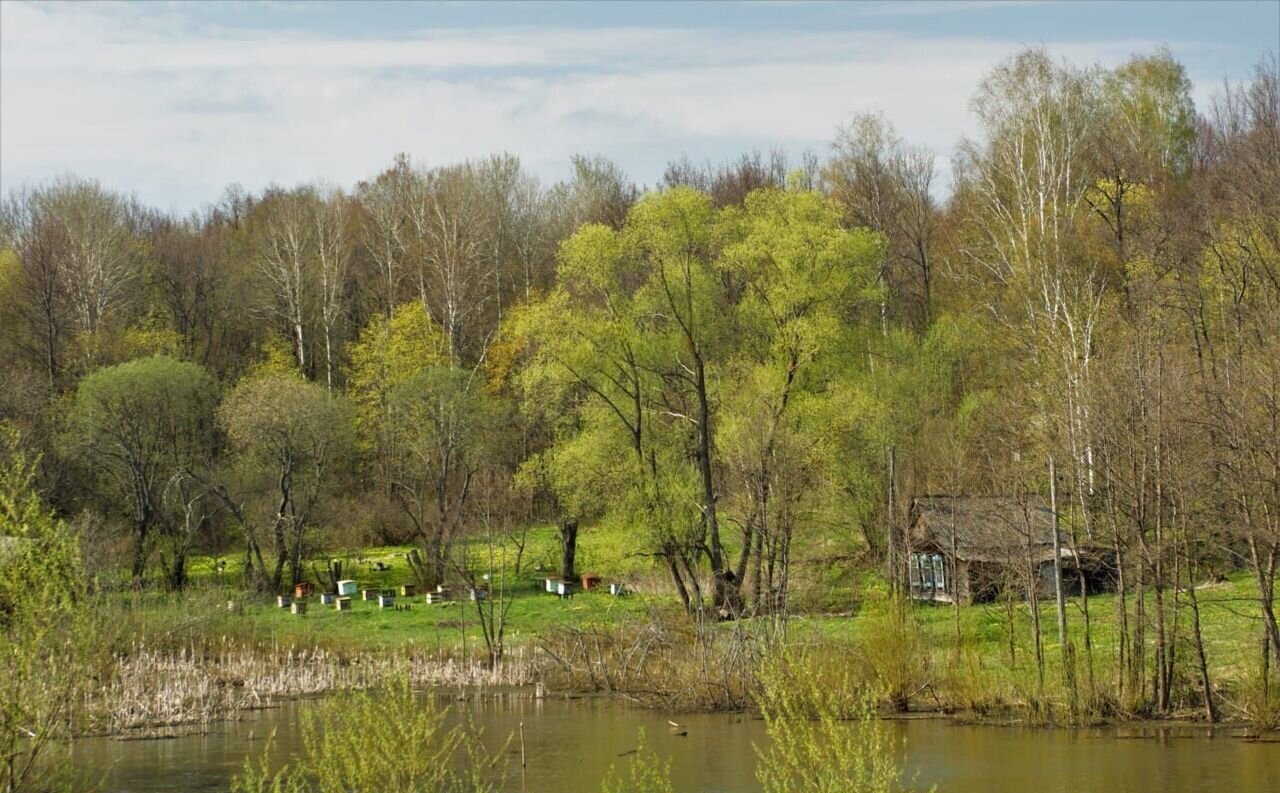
570 744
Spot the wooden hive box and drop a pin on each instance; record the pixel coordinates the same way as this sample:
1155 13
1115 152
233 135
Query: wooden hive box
347 587
299 607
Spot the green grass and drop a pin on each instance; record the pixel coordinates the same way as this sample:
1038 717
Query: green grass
443 626
1229 621
1229 611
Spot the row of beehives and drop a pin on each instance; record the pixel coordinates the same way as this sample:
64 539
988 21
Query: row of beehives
387 598
348 590
559 586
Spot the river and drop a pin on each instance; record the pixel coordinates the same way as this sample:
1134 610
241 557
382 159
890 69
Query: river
570 745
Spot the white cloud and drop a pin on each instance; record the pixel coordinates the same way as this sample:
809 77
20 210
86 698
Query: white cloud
141 102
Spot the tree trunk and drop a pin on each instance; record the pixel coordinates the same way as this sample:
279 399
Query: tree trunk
1206 688
725 591
1264 569
1059 599
678 580
568 548
139 568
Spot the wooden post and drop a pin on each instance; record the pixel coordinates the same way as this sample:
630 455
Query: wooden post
522 763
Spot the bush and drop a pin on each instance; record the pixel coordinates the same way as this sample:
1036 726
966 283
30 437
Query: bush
895 653
824 736
46 645
380 740
646 773
1258 699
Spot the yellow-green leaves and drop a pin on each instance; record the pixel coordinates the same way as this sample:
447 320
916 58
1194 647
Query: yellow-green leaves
389 353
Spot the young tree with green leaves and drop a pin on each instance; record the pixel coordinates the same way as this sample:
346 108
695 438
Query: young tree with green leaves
290 438
43 629
136 425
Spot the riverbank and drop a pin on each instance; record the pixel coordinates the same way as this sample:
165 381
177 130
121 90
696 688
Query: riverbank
187 659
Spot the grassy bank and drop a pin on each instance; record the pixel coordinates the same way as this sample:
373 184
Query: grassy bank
979 660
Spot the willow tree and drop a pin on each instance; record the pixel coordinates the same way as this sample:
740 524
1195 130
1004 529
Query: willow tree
651 323
588 359
685 304
388 352
138 424
445 427
805 281
290 438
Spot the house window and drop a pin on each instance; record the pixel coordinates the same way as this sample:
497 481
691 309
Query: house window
939 579
915 570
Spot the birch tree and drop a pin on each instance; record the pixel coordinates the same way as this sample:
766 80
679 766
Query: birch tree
285 257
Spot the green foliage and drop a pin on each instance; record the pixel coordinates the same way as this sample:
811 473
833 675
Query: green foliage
44 631
257 776
138 425
281 419
277 360
824 736
894 650
440 408
685 317
138 411
646 772
388 353
291 439
391 739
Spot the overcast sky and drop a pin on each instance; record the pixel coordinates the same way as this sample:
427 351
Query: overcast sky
174 101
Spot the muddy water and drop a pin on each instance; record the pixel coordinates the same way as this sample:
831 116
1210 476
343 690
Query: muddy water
569 746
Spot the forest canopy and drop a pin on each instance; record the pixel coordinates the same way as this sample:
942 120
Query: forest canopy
752 357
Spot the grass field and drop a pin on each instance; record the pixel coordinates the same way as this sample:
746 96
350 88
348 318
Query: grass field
834 605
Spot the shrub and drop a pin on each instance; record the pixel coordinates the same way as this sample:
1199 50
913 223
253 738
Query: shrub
895 652
646 773
391 739
824 736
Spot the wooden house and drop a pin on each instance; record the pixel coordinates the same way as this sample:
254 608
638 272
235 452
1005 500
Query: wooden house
975 547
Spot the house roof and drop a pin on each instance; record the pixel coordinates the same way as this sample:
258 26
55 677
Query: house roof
987 528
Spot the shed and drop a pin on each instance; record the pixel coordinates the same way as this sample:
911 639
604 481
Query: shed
973 546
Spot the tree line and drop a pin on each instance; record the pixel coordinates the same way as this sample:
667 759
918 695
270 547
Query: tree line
724 364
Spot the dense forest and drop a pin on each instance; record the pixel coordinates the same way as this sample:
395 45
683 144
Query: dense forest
751 357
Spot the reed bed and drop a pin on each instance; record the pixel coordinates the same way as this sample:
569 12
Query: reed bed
662 661
156 691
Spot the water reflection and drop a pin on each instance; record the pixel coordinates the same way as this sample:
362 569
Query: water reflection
570 744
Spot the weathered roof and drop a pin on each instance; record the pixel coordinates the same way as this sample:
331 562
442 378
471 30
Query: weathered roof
987 528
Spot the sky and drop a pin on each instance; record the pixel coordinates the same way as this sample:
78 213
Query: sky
175 101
